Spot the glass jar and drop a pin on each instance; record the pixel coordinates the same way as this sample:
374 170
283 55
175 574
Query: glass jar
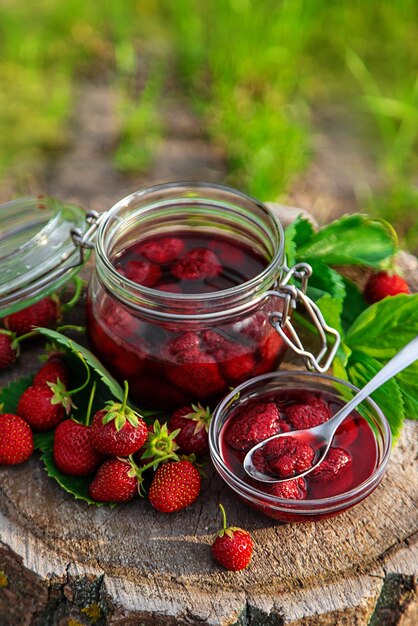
38 253
177 348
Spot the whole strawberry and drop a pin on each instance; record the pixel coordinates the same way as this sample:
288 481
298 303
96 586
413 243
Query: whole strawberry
258 422
9 349
53 370
16 440
197 264
73 451
118 430
233 547
46 312
115 481
175 485
162 251
44 407
383 284
193 422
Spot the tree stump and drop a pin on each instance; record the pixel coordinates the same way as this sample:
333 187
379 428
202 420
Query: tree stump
65 563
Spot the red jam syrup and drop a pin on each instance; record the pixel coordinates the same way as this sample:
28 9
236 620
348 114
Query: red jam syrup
352 458
170 365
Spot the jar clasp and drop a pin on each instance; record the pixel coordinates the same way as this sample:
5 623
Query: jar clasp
281 320
85 241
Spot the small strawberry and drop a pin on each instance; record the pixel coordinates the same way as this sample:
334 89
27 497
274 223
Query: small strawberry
193 423
236 362
16 440
46 312
197 264
295 489
175 485
44 407
188 341
287 456
53 370
384 284
118 430
312 413
9 349
143 273
73 451
257 423
115 481
335 460
196 373
233 547
162 251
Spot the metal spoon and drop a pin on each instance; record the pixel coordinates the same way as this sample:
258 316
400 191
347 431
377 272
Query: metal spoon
320 437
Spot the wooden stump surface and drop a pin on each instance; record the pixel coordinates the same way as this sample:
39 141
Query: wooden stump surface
63 562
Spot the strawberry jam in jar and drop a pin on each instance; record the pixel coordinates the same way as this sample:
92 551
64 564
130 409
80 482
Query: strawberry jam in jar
285 401
186 299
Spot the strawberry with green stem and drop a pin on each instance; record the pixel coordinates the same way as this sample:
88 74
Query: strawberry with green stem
160 444
192 423
44 407
175 486
233 547
73 451
118 430
10 347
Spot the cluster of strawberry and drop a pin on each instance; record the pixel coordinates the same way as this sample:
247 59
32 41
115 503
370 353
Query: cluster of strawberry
283 457
19 326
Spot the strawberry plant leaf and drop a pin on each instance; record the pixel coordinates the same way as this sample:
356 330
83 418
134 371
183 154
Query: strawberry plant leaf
385 327
408 384
44 441
361 368
9 395
77 486
354 304
351 240
296 234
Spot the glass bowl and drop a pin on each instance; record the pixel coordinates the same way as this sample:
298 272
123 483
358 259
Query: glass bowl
264 389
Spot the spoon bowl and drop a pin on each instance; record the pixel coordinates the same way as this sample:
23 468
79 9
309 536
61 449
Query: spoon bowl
320 437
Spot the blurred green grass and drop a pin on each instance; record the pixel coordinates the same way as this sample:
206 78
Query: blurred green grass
255 70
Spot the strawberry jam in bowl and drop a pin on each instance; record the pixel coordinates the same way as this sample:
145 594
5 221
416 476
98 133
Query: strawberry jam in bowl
284 401
186 285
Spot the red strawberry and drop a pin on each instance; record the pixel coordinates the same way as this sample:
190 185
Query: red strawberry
336 459
211 340
384 284
197 264
143 273
288 456
193 422
259 422
9 349
236 361
162 251
117 429
16 440
73 451
233 547
290 489
197 374
175 485
313 413
54 369
46 312
44 407
115 481
188 341
114 316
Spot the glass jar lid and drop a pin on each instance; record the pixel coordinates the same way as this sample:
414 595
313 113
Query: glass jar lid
39 251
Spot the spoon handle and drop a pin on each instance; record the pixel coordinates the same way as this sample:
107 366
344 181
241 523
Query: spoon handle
399 362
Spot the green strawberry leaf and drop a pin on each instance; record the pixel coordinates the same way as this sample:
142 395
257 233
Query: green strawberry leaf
326 288
361 368
297 234
9 395
354 304
408 384
351 240
385 327
77 486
